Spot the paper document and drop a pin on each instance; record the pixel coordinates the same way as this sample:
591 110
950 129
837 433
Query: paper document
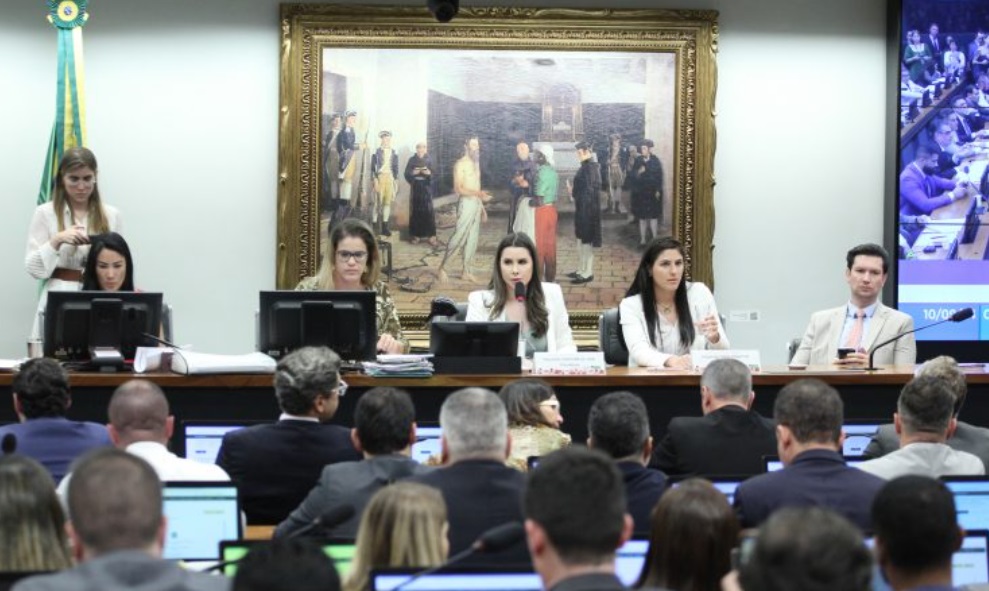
152 359
190 363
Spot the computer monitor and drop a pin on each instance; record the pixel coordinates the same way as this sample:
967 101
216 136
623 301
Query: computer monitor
971 500
972 221
458 579
427 443
969 565
200 440
475 347
345 321
85 325
340 551
200 515
629 560
725 484
858 435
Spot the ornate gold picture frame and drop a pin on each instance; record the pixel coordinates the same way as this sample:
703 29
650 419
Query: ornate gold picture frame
548 78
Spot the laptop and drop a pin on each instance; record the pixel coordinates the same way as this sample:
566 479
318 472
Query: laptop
725 484
971 500
458 579
427 442
200 440
629 560
773 463
341 552
200 515
969 565
858 435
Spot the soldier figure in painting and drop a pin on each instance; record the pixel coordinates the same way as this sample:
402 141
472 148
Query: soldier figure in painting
647 191
384 171
346 148
585 190
470 209
331 165
419 174
613 167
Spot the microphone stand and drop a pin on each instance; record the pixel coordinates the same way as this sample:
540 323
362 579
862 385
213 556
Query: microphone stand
963 314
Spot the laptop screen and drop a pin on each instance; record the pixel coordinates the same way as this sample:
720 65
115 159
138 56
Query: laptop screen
969 565
458 580
858 434
201 439
341 552
725 484
427 443
971 501
629 560
200 515
773 463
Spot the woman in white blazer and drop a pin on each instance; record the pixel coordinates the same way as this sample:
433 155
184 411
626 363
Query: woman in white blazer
542 314
663 315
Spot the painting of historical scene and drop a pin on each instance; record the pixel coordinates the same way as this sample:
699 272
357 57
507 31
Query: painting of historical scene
443 152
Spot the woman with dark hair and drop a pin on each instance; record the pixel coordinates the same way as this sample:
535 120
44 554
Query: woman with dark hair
534 420
542 314
109 266
31 518
351 263
58 237
692 532
663 315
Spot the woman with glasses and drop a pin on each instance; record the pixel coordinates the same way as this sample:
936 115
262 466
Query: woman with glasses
352 263
534 420
58 237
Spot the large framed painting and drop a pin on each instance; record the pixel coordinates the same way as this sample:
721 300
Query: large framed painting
388 115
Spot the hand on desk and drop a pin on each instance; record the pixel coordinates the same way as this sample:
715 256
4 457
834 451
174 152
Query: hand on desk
679 362
859 358
388 344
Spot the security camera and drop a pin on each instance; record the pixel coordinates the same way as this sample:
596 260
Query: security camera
443 10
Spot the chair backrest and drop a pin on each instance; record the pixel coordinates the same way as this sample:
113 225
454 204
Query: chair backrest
461 312
791 348
166 323
610 338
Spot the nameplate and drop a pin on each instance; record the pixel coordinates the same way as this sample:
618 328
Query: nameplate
590 363
702 357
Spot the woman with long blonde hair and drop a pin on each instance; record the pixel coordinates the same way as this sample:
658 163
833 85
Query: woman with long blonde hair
31 518
404 525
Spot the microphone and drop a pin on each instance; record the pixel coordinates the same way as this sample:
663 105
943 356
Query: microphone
963 314
160 340
496 539
331 518
9 444
519 292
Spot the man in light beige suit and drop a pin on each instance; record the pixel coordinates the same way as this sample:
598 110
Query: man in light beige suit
861 323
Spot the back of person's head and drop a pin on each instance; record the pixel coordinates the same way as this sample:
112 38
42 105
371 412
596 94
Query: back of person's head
115 502
915 524
304 375
295 563
946 369
42 388
926 405
807 549
522 400
138 411
403 525
618 425
692 532
31 518
383 419
811 410
728 379
474 424
576 497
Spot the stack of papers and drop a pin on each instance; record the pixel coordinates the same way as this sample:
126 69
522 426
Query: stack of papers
189 363
400 366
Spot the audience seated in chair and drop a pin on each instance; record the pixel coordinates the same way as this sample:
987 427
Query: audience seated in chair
33 522
534 420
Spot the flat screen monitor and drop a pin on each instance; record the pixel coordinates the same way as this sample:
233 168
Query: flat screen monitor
76 322
474 339
773 463
858 435
629 560
345 321
971 500
200 440
458 579
200 515
969 565
725 484
340 551
427 443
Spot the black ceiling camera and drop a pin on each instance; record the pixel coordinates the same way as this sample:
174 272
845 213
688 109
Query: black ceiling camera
443 10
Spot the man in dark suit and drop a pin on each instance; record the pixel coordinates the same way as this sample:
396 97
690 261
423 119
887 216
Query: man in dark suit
935 47
730 439
384 431
275 465
967 437
480 491
117 531
575 520
618 425
41 401
808 416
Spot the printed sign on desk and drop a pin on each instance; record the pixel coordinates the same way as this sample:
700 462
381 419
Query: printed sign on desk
590 363
703 357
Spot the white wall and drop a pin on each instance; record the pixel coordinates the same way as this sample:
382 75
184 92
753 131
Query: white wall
183 102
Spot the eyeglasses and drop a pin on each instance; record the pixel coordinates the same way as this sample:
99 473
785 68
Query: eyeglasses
341 388
346 255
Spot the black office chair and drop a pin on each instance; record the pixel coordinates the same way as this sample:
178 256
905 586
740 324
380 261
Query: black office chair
610 338
444 309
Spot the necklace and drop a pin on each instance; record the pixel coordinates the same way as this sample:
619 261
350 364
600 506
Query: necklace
666 309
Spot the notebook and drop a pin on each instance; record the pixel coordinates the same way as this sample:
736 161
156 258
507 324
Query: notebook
858 434
200 515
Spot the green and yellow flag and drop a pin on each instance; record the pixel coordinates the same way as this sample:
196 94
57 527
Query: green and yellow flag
69 130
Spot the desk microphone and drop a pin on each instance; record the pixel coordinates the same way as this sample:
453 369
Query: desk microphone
519 291
442 306
160 340
331 518
494 540
963 314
